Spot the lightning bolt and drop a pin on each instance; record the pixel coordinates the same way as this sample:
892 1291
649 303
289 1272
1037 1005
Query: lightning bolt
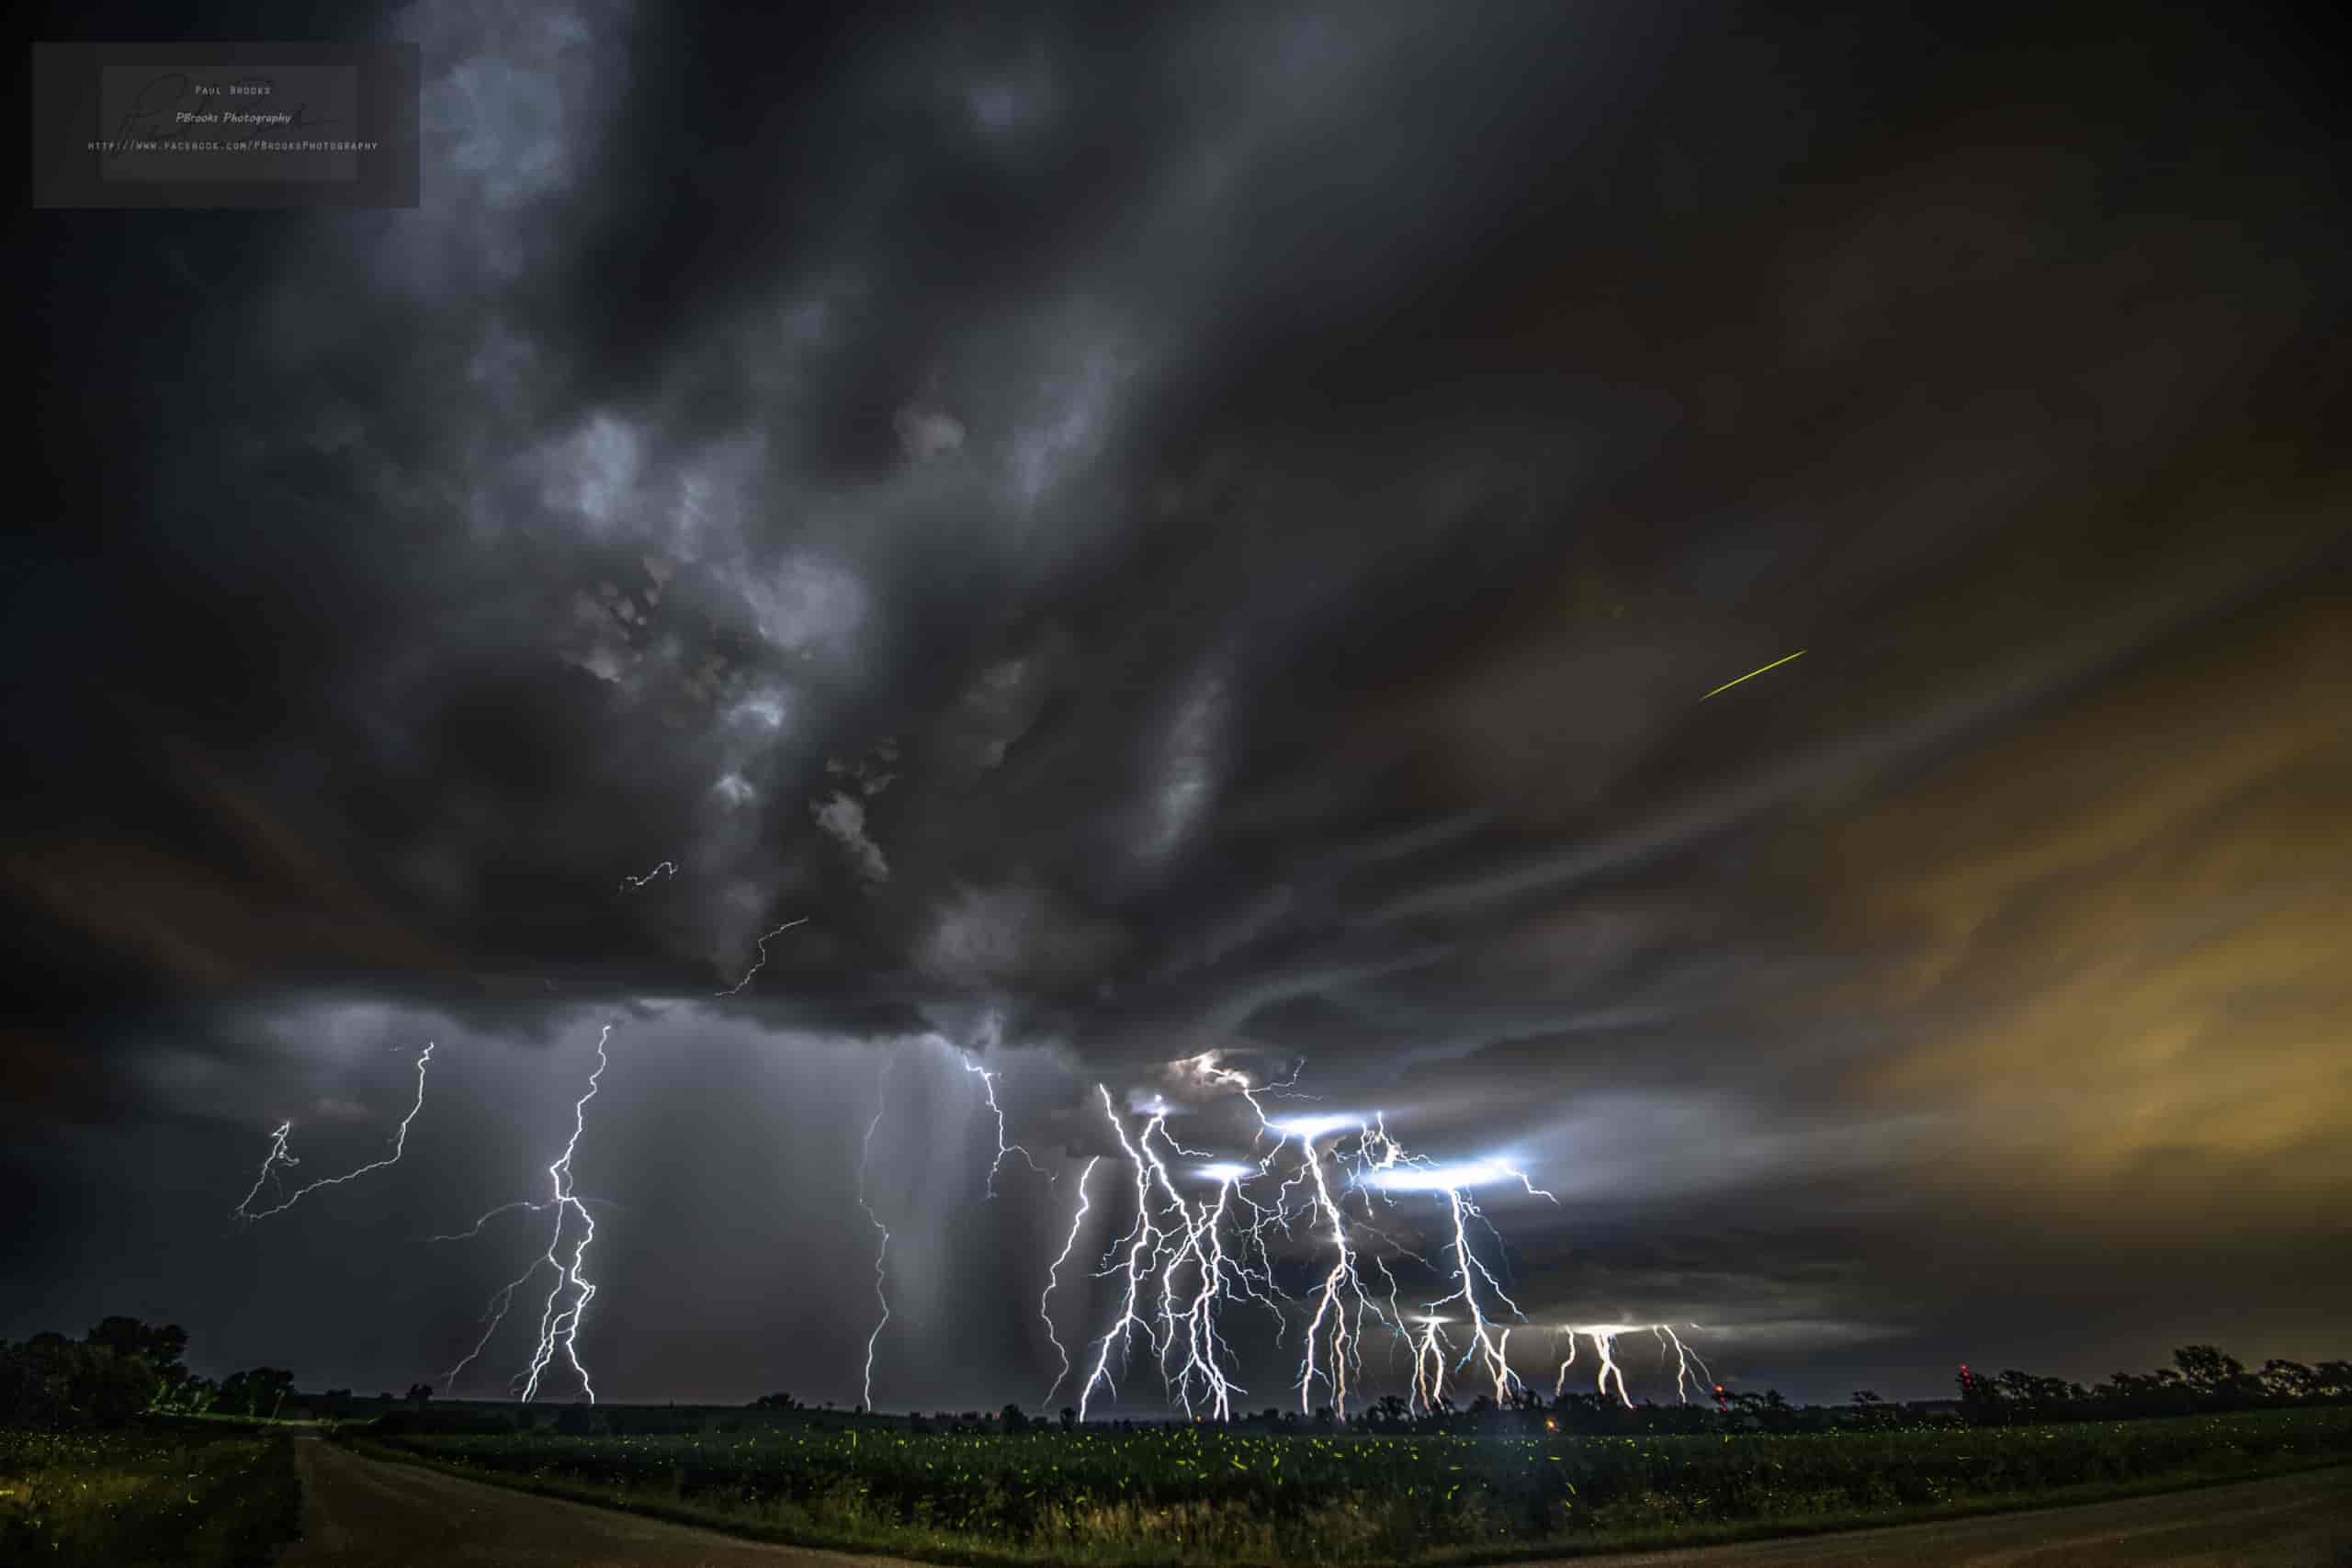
1331 1302
1683 1357
270 1162
1052 1275
557 1329
1604 1337
1727 685
1179 1248
1003 1150
667 868
564 1327
1145 1235
761 962
1429 1364
882 1249
277 1156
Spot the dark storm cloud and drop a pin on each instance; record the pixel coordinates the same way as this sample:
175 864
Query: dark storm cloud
1211 531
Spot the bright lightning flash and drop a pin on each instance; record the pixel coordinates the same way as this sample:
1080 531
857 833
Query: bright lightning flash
1053 1276
557 1329
278 1156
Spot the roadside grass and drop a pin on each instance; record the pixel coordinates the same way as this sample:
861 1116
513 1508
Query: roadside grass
187 1494
1184 1496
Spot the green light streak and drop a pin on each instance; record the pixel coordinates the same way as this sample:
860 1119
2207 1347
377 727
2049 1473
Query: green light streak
1727 685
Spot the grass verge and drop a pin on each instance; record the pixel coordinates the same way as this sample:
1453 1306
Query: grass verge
1180 1499
187 1495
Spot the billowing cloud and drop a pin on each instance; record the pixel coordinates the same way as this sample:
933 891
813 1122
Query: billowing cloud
1101 539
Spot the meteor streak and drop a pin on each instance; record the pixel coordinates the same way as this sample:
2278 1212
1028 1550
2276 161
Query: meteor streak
761 962
277 1156
1727 685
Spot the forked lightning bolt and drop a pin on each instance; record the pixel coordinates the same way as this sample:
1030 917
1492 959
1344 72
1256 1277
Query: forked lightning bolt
558 1328
1604 1348
1003 1149
278 1156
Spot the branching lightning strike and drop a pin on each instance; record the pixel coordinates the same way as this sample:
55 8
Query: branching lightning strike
559 1327
278 1156
1003 1150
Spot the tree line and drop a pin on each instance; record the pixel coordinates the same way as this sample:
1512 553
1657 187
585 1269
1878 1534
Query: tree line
123 1369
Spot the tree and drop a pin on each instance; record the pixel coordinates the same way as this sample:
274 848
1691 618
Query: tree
775 1401
2289 1380
2208 1369
1069 1419
420 1394
1015 1421
161 1348
258 1391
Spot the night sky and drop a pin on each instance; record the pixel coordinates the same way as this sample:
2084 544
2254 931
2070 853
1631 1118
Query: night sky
1205 530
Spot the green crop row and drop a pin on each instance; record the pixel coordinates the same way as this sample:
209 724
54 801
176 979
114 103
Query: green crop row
1206 1494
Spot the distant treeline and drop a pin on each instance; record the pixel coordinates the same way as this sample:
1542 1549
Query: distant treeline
123 1369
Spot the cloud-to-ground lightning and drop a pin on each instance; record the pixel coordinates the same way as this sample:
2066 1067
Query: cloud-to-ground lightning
1053 1276
278 1156
558 1329
882 1249
1179 1246
1145 1238
1003 1149
1727 685
761 963
1604 1337
564 1326
667 868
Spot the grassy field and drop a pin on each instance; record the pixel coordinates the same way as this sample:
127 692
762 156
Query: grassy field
187 1494
1204 1495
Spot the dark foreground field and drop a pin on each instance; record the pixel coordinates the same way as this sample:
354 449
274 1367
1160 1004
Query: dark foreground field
1193 1496
363 1514
187 1494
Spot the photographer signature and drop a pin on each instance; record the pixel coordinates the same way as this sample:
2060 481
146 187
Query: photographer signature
153 115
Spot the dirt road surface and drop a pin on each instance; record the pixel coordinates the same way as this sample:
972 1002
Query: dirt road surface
363 1513
2292 1521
